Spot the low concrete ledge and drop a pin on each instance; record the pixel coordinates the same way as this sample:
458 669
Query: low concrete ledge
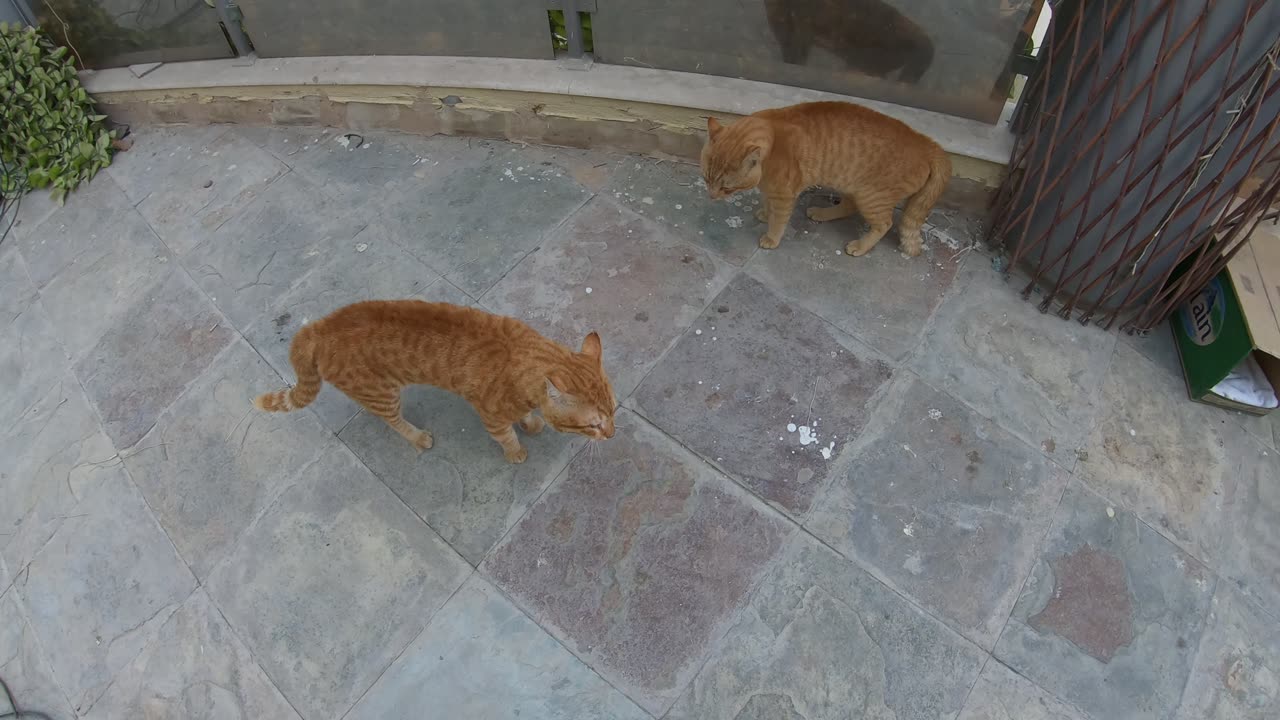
571 103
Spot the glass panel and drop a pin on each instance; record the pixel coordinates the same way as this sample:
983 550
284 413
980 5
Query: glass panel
952 56
113 33
494 28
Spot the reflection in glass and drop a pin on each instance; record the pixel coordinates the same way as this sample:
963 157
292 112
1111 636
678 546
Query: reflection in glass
870 36
111 33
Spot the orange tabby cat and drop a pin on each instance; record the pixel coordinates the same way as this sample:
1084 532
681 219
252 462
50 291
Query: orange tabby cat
872 160
506 370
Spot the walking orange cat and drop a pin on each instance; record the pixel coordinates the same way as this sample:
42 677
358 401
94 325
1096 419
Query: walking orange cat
871 159
503 367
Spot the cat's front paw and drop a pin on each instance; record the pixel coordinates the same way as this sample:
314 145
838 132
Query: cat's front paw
762 214
517 456
769 243
532 425
422 441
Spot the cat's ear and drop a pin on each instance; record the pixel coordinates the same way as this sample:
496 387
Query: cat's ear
713 127
555 387
591 346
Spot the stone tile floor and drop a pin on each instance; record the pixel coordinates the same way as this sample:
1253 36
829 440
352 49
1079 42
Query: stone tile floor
841 488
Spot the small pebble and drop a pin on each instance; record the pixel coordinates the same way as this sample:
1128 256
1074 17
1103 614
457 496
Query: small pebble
588 291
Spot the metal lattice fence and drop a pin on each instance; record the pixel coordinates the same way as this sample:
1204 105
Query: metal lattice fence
1147 153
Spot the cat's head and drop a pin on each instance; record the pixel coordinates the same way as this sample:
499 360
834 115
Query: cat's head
579 397
733 157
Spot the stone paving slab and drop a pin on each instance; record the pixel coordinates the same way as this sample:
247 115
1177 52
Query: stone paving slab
99 591
254 258
369 268
195 668
1235 672
645 285
158 155
1111 616
215 183
1001 694
1250 556
482 658
883 298
54 455
32 360
673 194
748 384
213 462
87 220
637 560
22 665
1169 460
143 362
483 218
462 486
822 640
100 283
332 583
1035 375
943 506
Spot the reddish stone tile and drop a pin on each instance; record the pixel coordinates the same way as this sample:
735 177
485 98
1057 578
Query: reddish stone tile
751 383
637 560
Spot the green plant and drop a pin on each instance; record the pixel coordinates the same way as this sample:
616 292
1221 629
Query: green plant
49 133
559 36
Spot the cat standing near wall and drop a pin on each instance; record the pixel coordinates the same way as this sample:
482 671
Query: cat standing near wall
505 369
871 159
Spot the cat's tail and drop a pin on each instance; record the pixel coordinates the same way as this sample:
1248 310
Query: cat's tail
302 357
918 206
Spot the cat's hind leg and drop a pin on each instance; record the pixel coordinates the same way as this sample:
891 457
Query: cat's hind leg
504 434
386 405
877 210
846 207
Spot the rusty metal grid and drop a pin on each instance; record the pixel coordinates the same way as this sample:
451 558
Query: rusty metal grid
1119 198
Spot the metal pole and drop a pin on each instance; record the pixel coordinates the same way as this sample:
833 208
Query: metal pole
234 31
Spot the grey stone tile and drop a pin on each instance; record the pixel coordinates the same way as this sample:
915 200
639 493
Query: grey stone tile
822 639
143 362
24 667
253 259
89 219
370 168
482 658
882 298
53 455
379 271
332 583
1035 374
1235 673
1250 554
161 156
645 288
1111 615
32 362
1001 694
637 559
16 291
5 577
943 506
749 384
213 462
34 208
194 668
101 589
213 185
478 222
674 195
99 285
1161 455
462 486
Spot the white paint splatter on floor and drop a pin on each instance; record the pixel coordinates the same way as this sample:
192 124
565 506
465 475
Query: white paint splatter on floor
733 221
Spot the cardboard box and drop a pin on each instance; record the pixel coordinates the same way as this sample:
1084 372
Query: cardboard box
1238 314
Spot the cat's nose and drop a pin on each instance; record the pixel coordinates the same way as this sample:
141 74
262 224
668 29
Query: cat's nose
609 433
